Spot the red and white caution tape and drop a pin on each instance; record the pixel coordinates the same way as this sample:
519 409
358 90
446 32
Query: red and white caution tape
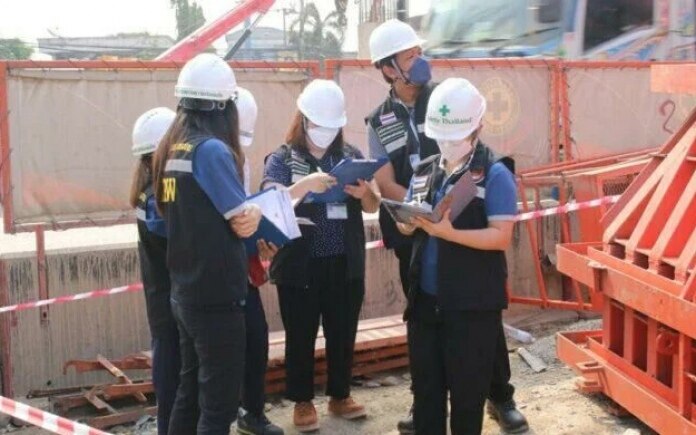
374 245
77 297
571 206
574 206
567 208
45 420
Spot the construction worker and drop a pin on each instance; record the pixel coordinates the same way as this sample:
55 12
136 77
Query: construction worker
152 250
198 186
458 269
396 129
252 418
322 274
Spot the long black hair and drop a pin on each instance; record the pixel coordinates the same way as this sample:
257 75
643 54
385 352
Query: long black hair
222 124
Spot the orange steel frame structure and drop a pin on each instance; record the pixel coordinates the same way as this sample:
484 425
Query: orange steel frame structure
579 179
641 276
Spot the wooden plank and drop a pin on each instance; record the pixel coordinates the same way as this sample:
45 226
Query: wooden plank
532 360
123 379
367 357
366 369
121 418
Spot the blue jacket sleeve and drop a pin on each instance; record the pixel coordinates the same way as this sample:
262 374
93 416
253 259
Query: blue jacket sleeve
215 171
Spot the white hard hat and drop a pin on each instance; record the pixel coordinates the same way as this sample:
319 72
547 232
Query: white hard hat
206 77
323 103
150 128
248 111
455 110
391 37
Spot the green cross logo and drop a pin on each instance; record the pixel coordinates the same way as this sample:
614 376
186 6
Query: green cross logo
444 110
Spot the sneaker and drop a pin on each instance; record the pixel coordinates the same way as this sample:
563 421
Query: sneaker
508 417
305 417
346 408
250 424
406 426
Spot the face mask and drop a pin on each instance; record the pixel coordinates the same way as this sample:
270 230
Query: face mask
455 150
419 74
322 136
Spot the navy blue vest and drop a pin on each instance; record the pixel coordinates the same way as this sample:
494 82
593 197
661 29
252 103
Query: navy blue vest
392 123
290 266
152 251
467 278
207 261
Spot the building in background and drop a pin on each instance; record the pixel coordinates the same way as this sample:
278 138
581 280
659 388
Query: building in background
122 45
264 43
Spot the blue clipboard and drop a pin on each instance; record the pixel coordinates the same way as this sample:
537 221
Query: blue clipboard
268 232
347 171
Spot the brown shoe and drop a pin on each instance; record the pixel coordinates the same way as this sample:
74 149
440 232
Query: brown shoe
346 408
305 417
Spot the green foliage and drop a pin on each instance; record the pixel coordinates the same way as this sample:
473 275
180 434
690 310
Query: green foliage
14 49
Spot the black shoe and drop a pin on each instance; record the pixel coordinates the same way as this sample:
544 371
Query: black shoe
250 424
406 426
508 417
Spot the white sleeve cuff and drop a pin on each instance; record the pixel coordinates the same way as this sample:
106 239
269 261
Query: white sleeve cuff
235 211
502 218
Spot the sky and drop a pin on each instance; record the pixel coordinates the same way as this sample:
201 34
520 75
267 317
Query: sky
32 19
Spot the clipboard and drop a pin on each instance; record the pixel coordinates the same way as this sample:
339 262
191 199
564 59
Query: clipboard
347 171
278 224
456 200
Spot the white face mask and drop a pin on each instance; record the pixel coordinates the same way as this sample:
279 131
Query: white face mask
322 136
455 150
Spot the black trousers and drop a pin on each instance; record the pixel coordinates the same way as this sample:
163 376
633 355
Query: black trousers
451 352
501 389
403 254
166 364
253 394
212 343
336 301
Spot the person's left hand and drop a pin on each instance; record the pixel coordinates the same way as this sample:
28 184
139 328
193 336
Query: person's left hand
440 229
266 250
359 191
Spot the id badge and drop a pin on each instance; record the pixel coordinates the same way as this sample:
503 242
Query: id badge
337 211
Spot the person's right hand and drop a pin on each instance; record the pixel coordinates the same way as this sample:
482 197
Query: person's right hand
318 182
246 223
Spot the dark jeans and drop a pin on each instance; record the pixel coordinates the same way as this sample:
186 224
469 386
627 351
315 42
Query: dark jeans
166 363
253 394
451 352
213 342
336 301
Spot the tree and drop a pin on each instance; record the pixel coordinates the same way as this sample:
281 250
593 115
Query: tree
189 17
14 49
316 37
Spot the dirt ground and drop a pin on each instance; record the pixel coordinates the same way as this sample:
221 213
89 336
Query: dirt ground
548 399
